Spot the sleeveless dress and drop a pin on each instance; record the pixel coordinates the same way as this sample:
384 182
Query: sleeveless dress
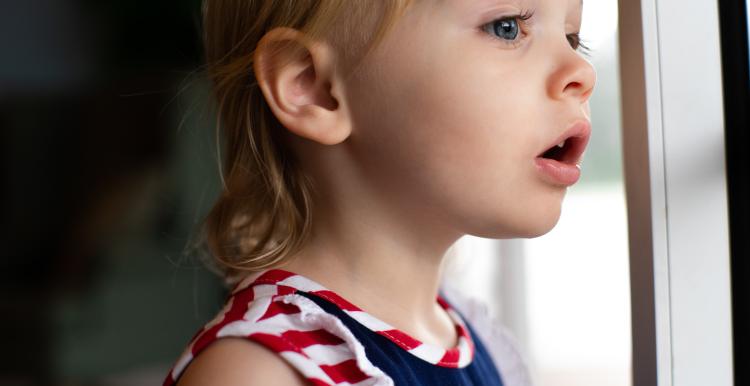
333 342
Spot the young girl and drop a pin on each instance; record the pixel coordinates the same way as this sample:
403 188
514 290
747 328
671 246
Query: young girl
363 138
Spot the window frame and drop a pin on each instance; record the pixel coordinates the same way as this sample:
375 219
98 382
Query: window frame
676 189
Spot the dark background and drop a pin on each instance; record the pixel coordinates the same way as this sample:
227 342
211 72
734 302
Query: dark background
109 164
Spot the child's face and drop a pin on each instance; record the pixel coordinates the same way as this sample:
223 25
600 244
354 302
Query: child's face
450 115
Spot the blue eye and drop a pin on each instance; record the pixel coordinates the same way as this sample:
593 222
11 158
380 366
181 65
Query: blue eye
505 28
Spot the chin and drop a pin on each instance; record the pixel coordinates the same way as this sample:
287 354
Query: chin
528 226
540 224
539 230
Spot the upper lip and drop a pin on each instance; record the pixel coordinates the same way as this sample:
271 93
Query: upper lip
576 137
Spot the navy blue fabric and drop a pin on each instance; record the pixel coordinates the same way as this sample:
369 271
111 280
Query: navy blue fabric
406 369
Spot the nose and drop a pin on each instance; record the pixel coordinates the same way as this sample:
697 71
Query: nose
573 77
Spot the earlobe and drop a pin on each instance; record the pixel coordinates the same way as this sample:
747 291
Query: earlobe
299 81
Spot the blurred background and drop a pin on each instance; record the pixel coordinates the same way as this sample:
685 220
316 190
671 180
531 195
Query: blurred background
110 163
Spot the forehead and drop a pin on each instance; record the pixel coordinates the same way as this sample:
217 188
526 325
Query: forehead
478 5
486 2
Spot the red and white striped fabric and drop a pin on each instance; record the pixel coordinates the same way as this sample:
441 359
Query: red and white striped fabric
268 310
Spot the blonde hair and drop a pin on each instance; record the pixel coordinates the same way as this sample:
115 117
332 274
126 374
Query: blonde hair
264 211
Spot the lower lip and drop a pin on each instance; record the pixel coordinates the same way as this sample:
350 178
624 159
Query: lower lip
558 173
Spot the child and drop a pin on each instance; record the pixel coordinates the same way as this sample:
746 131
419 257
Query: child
363 138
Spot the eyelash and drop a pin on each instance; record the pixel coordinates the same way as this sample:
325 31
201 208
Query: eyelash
522 20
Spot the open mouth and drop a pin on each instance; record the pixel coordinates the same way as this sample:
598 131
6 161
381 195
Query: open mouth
567 151
558 163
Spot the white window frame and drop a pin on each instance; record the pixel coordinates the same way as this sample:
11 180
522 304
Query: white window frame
674 160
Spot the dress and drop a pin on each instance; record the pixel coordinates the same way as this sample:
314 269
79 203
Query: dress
332 342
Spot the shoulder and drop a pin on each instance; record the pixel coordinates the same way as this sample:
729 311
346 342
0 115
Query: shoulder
245 344
271 329
235 361
276 339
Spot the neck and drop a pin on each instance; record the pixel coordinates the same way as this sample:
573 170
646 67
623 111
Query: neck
383 260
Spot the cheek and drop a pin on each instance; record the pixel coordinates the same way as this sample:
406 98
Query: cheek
458 136
465 126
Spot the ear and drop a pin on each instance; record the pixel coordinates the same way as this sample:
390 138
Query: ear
298 78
